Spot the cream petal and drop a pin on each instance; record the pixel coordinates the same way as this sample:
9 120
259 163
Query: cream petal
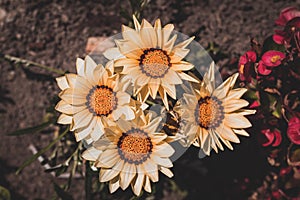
165 162
245 112
226 142
127 175
142 80
66 108
123 98
62 82
143 94
171 77
151 170
241 132
126 62
93 76
132 35
98 130
167 30
234 104
186 77
190 100
114 184
107 174
138 184
203 135
147 184
158 30
80 67
124 110
90 64
71 78
236 121
124 125
153 125
108 158
227 133
81 119
168 46
235 94
91 154
70 97
85 131
170 89
129 49
185 43
178 54
148 35
182 66
137 25
217 141
64 119
153 88
223 89
209 78
164 97
166 172
158 137
164 150
113 53
206 145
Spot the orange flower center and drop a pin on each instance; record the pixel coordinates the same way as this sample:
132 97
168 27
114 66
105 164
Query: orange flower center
135 146
155 63
274 59
209 112
101 100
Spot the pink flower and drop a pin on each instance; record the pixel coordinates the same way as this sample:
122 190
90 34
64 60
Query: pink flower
271 137
293 130
290 19
268 60
272 58
286 15
246 63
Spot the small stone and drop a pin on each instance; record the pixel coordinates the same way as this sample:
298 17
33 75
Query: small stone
2 14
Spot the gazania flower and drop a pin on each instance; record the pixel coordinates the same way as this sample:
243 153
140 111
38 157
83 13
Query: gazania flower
150 58
215 114
132 153
90 96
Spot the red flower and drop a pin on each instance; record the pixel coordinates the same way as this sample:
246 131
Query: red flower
246 65
293 130
286 15
271 137
290 19
270 59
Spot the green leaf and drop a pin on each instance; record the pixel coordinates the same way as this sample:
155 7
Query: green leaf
62 193
4 193
277 111
30 130
35 156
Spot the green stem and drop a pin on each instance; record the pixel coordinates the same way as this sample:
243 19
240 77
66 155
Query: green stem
28 63
35 156
88 181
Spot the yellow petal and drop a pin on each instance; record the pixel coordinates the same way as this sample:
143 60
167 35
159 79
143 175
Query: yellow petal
108 158
234 104
167 30
114 184
136 23
138 184
182 66
165 162
241 132
66 108
184 76
129 49
168 46
147 184
164 150
132 35
158 30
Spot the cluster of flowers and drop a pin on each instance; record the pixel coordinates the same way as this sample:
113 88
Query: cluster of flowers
106 107
271 72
